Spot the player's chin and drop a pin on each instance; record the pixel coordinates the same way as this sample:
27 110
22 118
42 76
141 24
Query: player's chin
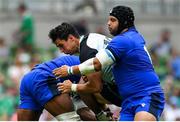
70 53
110 31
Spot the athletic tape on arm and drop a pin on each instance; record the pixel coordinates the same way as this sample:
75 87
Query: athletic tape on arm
87 67
105 57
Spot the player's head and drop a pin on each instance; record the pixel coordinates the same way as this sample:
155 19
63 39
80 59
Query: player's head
120 17
65 37
21 8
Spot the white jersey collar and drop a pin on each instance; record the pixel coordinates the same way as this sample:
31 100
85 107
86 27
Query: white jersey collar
81 38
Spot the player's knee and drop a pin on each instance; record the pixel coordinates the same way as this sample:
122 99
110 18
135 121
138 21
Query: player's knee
86 114
69 116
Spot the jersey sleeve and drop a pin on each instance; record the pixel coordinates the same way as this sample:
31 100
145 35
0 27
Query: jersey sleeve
87 53
91 44
119 46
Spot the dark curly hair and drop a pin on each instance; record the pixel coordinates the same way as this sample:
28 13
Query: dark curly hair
62 32
124 15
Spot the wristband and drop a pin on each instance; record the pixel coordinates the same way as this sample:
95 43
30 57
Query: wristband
70 71
74 87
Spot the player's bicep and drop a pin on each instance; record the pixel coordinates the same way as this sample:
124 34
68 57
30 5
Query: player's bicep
105 58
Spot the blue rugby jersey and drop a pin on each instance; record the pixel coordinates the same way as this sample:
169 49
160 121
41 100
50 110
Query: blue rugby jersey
40 85
49 66
133 71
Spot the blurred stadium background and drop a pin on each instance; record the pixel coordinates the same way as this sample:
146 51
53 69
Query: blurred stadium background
157 20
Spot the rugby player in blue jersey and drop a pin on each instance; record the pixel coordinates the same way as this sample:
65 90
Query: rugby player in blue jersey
138 84
38 90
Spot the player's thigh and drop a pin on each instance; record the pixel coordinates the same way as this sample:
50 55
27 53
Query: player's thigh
28 115
59 104
28 109
149 107
144 116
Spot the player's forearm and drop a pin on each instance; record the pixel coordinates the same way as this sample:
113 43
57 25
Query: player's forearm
91 83
87 88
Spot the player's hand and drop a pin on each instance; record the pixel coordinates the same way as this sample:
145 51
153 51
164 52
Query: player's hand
61 71
65 87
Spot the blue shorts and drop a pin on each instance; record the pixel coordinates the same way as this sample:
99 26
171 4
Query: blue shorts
36 89
153 103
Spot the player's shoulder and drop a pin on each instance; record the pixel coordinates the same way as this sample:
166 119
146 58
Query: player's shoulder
97 41
121 39
96 36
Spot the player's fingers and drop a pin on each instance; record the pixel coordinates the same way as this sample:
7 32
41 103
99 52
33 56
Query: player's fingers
61 88
65 91
59 84
56 70
67 81
58 76
56 73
